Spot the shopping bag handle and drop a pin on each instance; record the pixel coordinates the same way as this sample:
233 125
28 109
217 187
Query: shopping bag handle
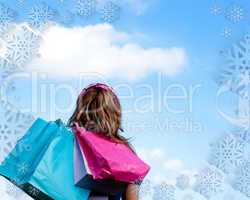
76 127
59 122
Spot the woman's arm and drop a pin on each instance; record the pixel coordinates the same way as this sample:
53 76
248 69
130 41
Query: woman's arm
132 192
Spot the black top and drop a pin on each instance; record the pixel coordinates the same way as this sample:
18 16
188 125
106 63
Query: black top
110 197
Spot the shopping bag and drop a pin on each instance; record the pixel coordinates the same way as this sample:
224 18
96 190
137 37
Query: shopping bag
84 179
20 164
54 174
108 159
48 163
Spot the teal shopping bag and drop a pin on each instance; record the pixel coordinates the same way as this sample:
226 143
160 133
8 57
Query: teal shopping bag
54 175
24 158
44 159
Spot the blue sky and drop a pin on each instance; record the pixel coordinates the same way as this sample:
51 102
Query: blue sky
188 25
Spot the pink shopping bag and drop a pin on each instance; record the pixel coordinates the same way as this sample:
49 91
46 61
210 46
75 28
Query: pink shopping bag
108 159
84 179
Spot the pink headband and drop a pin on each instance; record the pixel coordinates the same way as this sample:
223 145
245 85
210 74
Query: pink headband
97 85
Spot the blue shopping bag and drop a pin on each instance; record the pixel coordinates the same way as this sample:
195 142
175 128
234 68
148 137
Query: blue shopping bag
44 159
20 164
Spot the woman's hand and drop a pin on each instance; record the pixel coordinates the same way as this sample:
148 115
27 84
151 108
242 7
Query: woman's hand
132 192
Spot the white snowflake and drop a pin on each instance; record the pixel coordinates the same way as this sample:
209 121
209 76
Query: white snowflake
13 190
22 46
227 153
21 2
235 74
145 189
188 197
215 9
86 8
6 18
110 12
6 69
229 195
227 32
27 147
243 114
182 182
242 179
234 13
12 126
11 86
209 182
41 15
242 134
22 168
164 191
67 17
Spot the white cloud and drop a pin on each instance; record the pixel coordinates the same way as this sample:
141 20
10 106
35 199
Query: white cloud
164 168
173 165
105 50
